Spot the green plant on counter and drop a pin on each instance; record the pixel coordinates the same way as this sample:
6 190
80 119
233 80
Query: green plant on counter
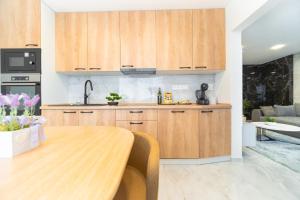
113 97
269 119
246 105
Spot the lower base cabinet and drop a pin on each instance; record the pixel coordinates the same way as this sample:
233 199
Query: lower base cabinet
79 117
178 133
214 133
149 127
184 133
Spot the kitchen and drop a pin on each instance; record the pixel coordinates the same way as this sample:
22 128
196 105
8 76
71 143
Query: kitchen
164 64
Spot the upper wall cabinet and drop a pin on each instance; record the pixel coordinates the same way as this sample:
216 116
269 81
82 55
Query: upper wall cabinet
71 41
209 39
20 23
138 40
174 43
103 41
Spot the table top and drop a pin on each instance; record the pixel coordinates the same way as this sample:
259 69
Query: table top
73 163
274 126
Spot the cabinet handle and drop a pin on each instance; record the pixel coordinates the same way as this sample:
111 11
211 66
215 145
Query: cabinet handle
185 67
139 111
95 68
31 45
127 66
200 67
136 122
177 111
79 68
87 112
207 111
70 112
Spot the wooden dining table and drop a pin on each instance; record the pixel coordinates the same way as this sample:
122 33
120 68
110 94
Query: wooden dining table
73 163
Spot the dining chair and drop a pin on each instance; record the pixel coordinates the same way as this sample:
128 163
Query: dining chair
140 179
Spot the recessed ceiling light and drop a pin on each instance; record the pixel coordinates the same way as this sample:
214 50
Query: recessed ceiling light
277 46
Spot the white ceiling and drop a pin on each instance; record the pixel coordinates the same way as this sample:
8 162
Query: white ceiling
281 25
101 5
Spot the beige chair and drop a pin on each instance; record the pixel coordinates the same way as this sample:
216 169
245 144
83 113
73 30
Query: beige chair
140 179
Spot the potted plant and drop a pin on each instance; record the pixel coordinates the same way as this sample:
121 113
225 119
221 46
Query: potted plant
113 99
19 134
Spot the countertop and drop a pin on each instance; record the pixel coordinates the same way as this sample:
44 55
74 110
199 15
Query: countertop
73 163
135 106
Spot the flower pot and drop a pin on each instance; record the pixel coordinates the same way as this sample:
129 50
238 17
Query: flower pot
13 143
113 103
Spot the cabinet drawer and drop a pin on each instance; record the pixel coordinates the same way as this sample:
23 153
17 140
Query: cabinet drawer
70 118
136 114
149 127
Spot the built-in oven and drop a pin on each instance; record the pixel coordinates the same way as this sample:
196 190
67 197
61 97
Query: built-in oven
20 60
22 83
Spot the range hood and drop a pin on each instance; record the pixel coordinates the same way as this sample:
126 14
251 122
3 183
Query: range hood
137 70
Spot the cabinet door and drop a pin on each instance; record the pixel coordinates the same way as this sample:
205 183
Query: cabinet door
53 117
174 33
138 38
178 133
149 127
106 118
71 41
87 118
70 118
103 41
215 133
20 23
209 39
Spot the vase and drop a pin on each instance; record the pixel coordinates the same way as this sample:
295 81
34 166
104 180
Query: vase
113 103
13 143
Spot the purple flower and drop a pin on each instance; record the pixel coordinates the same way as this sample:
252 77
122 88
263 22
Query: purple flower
13 100
31 102
25 96
4 100
24 120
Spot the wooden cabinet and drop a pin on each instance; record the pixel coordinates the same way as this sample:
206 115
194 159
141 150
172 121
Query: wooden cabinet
136 114
174 39
70 118
215 133
149 127
53 117
209 39
106 117
71 41
87 118
20 23
138 48
178 133
103 41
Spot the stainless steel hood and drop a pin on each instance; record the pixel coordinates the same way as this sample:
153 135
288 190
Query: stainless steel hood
130 70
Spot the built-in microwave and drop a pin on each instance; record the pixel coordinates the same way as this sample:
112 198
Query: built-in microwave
20 61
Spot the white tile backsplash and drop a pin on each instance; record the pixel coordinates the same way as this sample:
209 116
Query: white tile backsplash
139 88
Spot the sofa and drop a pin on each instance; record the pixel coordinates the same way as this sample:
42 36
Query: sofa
281 114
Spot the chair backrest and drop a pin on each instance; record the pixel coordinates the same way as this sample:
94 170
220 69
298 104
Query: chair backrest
145 157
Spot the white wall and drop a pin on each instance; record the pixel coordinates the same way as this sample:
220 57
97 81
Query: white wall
139 88
239 14
54 87
297 78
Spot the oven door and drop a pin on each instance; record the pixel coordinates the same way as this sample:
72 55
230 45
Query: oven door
17 88
20 60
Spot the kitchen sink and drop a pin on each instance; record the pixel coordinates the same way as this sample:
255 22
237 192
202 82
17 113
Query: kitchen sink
70 104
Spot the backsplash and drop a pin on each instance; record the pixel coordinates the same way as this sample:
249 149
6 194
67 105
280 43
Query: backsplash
139 88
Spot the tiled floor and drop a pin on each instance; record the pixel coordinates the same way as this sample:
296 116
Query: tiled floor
253 178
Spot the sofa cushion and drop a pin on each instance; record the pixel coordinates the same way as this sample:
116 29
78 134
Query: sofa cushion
288 120
268 110
297 108
285 110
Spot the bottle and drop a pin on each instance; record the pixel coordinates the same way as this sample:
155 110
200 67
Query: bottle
159 96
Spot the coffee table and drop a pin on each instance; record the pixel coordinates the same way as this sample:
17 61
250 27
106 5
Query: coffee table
274 126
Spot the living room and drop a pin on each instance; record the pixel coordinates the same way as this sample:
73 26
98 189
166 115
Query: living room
271 85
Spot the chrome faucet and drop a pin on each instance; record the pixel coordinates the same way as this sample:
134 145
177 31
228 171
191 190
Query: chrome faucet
86 96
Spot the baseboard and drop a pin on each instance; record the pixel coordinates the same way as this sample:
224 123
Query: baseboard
195 161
